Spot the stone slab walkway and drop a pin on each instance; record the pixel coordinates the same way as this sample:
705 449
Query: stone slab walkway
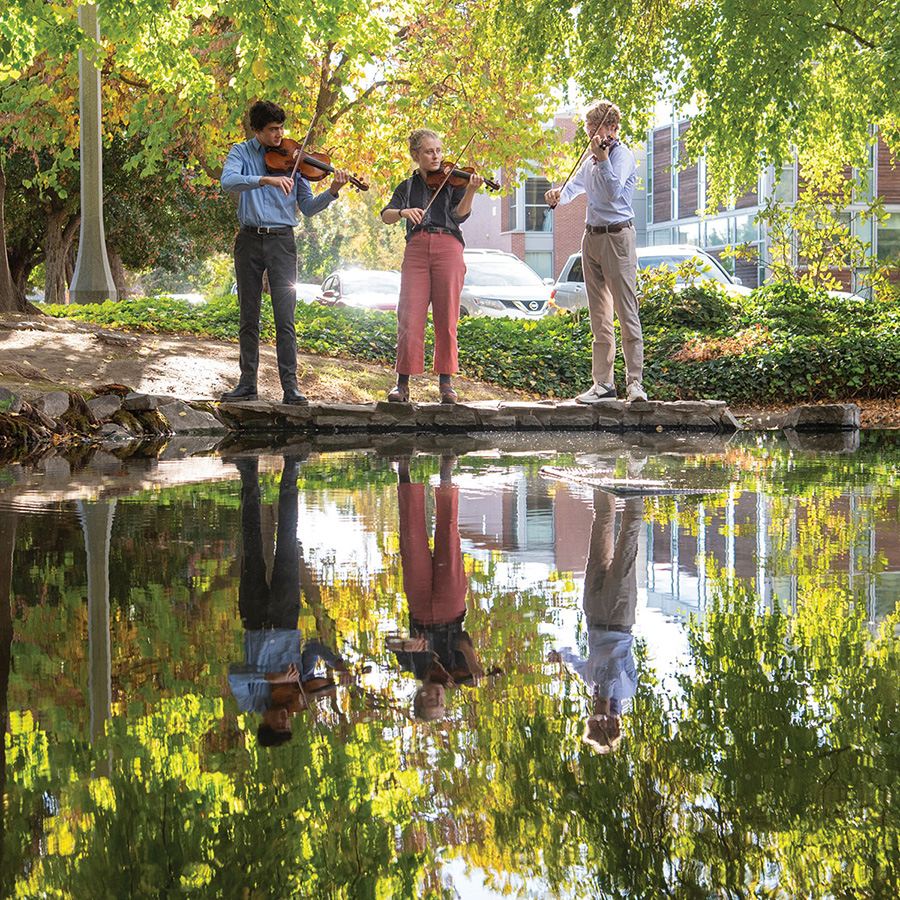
546 415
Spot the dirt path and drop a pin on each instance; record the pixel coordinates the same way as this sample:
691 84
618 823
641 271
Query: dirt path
40 353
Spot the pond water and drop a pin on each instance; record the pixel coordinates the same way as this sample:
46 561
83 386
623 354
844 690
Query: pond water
434 670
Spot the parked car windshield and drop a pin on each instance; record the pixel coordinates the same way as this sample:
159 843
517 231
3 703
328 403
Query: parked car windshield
709 268
370 282
495 271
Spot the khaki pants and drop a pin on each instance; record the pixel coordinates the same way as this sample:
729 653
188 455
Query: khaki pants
610 579
610 279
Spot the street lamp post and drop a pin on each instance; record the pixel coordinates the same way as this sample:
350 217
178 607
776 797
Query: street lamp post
92 281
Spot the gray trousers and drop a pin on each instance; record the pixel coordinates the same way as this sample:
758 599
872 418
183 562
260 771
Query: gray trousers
610 279
276 254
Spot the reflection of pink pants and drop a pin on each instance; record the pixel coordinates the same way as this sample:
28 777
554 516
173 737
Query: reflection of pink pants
435 585
433 272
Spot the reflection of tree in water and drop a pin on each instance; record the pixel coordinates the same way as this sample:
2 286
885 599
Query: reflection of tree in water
776 762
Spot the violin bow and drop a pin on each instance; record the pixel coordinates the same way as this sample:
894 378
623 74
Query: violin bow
447 175
301 153
583 152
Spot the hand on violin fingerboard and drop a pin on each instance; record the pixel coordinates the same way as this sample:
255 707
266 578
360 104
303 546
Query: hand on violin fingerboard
282 182
475 182
600 147
414 214
341 178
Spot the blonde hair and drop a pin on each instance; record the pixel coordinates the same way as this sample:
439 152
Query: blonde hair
418 136
603 112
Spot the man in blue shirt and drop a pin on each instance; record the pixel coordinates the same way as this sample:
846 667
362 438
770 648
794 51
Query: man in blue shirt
267 212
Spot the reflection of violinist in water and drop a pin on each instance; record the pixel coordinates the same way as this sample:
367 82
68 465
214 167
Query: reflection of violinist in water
438 651
278 676
610 599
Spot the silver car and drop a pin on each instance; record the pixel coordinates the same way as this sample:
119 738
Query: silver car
500 284
362 288
569 293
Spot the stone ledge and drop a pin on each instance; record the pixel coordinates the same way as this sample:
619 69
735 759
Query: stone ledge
546 415
824 417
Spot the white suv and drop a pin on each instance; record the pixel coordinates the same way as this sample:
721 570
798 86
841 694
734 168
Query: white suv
500 284
569 293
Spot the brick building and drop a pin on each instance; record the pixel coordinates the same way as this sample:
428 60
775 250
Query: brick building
667 204
675 197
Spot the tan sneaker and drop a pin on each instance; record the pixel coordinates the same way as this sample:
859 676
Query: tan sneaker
635 391
597 394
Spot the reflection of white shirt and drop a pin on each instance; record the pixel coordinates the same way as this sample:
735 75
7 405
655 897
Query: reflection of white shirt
272 650
609 185
610 663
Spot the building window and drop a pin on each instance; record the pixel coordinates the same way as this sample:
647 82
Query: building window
889 238
865 194
674 169
786 185
746 230
541 261
538 216
650 178
689 234
513 200
716 233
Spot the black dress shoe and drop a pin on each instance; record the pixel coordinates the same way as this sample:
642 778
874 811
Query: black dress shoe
241 392
295 398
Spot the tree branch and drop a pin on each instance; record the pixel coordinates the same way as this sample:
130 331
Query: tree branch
365 96
869 45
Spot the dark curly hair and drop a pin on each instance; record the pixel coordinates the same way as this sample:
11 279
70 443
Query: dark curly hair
263 112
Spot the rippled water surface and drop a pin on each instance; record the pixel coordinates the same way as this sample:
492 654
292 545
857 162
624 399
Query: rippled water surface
454 669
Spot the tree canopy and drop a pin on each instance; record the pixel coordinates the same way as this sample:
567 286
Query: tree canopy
760 78
179 76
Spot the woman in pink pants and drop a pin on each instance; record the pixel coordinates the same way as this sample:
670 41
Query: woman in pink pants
433 267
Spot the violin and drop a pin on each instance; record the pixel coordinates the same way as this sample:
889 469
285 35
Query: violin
286 159
455 177
608 143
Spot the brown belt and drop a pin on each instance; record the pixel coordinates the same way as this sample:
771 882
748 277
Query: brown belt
607 229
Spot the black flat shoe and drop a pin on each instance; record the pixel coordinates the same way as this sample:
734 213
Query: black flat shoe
295 398
242 393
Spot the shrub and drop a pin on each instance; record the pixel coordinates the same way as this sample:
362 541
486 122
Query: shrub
788 344
698 305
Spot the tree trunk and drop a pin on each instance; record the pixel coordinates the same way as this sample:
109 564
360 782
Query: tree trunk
10 299
54 261
60 234
117 270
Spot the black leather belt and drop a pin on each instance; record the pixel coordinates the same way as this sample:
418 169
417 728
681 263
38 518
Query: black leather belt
433 229
607 229
262 229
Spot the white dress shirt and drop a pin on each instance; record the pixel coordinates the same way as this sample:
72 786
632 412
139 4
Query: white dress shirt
609 185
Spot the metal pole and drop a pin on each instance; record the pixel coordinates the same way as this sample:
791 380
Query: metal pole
92 281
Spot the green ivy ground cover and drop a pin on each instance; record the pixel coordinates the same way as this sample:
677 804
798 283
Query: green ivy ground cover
783 343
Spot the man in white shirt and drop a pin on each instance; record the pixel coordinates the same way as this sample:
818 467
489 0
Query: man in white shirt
608 252
610 602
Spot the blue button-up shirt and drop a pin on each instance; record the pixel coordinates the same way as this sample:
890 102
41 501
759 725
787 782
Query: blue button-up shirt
609 185
264 206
